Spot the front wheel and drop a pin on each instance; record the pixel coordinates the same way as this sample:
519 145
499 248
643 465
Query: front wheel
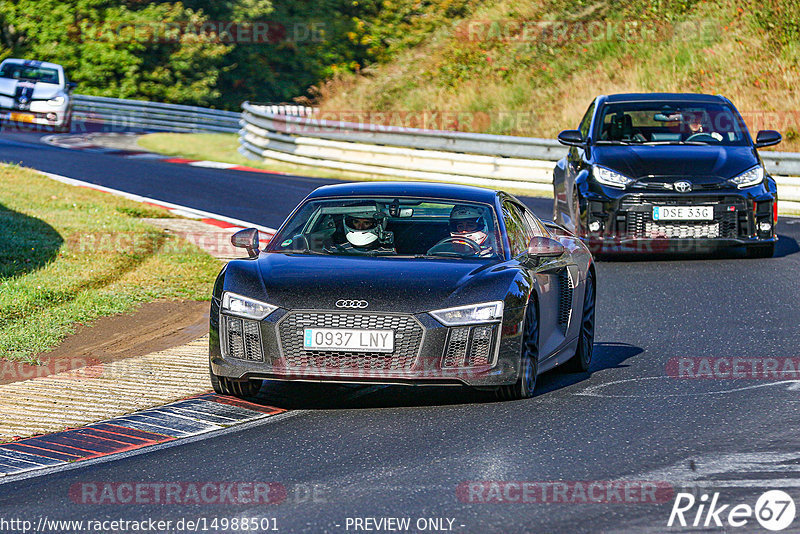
529 365
583 354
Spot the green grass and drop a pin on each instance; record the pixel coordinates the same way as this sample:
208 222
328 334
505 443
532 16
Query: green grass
69 255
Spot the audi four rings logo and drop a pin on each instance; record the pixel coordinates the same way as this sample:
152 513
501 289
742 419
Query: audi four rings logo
683 187
351 303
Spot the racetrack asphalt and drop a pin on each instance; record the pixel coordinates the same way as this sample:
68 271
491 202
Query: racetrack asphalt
403 452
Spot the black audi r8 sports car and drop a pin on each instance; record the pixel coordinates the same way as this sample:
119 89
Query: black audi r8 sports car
666 172
404 283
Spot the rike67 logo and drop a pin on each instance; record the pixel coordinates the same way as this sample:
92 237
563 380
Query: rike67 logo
774 510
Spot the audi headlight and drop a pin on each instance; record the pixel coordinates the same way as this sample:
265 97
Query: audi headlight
244 307
610 178
57 101
476 313
750 177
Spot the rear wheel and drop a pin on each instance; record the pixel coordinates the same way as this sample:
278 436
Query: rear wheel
529 366
761 251
236 388
583 354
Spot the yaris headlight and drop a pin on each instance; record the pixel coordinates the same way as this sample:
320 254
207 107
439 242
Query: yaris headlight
610 178
245 307
749 177
472 314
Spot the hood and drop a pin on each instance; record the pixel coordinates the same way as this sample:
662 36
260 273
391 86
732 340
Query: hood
680 161
299 281
41 91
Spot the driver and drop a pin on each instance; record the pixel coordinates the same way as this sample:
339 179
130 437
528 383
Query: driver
696 123
365 233
467 222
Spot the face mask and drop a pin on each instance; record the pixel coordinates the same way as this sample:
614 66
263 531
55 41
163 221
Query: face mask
478 236
361 238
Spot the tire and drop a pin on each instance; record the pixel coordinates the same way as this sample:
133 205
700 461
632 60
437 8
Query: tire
582 359
236 388
529 366
761 251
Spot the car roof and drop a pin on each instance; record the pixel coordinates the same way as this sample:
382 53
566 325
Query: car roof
656 97
408 189
34 62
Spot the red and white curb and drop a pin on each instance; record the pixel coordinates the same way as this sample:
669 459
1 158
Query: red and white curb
212 164
189 417
214 219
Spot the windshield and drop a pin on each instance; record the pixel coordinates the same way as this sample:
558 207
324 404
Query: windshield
669 123
29 72
402 227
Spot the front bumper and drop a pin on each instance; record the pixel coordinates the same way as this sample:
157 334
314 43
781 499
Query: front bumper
626 224
40 115
426 352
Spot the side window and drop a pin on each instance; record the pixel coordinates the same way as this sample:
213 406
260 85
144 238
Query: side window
515 226
586 121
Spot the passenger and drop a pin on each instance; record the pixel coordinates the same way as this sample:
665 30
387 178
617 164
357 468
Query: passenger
468 222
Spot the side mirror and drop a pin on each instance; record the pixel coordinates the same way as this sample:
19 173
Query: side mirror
571 138
72 85
246 239
768 138
545 247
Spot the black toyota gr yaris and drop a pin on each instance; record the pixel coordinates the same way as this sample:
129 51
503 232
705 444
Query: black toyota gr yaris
666 172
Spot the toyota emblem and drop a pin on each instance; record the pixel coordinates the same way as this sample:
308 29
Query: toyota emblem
343 303
683 187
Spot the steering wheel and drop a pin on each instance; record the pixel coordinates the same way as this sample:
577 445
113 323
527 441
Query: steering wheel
702 137
445 247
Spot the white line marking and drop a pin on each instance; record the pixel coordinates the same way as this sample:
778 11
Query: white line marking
187 214
703 471
594 391
147 155
212 164
138 198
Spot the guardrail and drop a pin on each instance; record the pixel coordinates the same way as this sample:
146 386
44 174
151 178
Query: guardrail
509 161
122 113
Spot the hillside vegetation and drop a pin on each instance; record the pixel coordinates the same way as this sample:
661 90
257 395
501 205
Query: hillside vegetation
533 68
212 53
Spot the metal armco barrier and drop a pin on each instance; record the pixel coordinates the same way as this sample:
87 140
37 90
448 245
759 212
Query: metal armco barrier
121 113
501 160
